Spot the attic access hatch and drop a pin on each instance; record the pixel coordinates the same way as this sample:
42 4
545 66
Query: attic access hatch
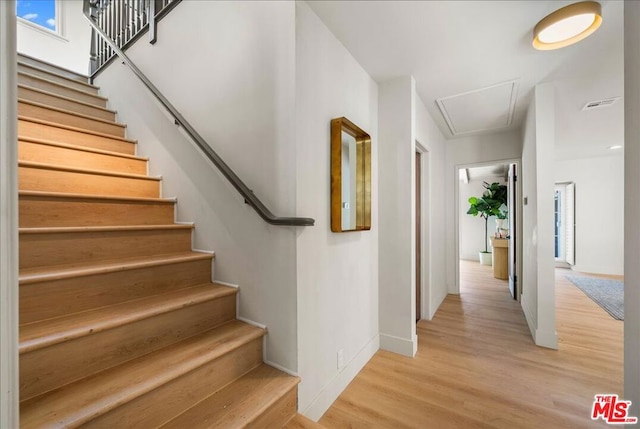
480 110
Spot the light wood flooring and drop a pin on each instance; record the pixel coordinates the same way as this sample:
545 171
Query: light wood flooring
477 366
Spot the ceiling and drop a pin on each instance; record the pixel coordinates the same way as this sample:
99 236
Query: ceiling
460 47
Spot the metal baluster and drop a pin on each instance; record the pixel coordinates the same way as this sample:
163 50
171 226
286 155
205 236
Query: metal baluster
152 22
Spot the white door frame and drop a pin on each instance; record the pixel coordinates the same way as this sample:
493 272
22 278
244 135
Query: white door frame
425 228
457 214
9 417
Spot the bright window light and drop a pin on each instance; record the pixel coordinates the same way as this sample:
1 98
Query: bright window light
38 12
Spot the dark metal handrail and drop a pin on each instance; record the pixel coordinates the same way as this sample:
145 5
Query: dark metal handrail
90 11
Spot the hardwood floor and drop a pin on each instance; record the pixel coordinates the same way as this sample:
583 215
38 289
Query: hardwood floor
477 366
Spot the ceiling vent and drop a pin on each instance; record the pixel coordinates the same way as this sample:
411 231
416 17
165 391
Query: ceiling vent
597 104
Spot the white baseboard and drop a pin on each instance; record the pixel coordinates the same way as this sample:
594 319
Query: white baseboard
541 337
529 316
547 339
437 303
399 345
233 285
281 368
252 323
337 384
594 269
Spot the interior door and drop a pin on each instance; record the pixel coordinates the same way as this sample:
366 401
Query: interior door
512 207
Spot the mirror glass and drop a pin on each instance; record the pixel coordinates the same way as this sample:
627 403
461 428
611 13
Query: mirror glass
350 177
348 181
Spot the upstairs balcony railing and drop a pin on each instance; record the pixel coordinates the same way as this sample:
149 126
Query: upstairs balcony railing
124 21
113 24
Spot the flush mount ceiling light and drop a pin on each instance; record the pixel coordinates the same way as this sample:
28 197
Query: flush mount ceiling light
567 25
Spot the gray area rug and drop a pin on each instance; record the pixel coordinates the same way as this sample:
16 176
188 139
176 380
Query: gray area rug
607 293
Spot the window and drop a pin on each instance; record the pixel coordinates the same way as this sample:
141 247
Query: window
42 13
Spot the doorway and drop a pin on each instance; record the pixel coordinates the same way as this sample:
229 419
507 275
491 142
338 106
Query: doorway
564 200
418 236
470 232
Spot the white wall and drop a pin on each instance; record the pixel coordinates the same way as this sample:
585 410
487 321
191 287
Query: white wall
599 204
397 216
70 49
538 284
471 230
337 272
480 149
632 204
9 396
434 283
238 91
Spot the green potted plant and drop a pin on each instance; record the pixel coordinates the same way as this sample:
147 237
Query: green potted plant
489 204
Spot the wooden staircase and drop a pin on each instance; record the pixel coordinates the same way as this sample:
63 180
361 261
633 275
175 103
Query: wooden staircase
120 324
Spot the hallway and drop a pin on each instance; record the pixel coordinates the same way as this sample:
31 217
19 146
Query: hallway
477 367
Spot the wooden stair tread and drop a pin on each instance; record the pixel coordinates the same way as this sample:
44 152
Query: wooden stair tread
68 195
47 332
91 229
79 402
29 59
301 422
54 83
40 274
81 148
72 128
71 112
239 403
63 97
47 166
61 76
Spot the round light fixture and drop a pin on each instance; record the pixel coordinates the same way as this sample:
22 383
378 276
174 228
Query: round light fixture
567 25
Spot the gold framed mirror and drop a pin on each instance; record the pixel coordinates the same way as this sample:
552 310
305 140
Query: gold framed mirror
350 177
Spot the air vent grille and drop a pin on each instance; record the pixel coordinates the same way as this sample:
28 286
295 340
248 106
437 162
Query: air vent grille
597 104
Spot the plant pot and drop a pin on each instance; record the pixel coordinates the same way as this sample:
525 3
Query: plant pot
485 258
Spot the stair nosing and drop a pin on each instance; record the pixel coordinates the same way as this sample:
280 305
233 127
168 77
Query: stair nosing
45 274
45 166
141 311
70 112
64 97
52 82
63 195
81 148
130 392
103 228
75 129
22 63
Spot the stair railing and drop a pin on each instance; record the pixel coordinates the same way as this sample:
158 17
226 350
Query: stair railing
124 21
92 11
